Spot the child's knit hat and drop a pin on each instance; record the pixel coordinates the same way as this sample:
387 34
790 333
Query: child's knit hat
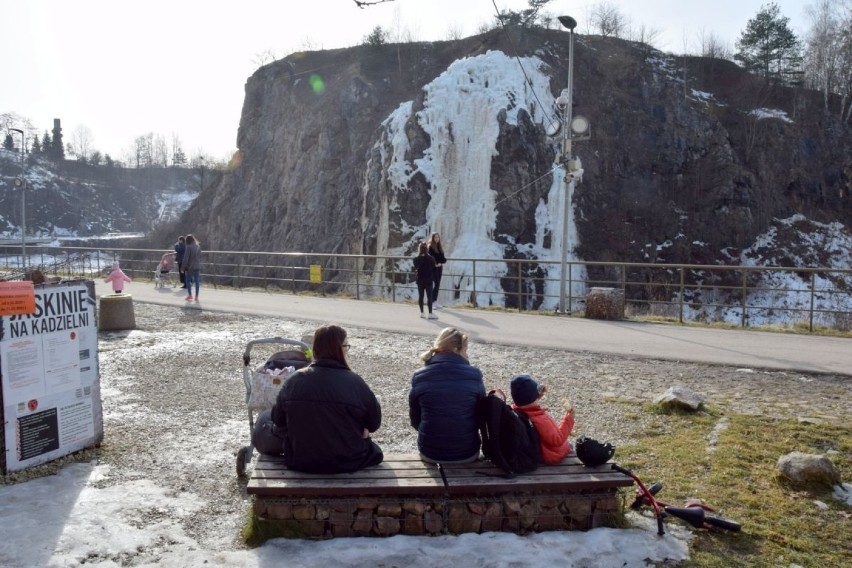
525 390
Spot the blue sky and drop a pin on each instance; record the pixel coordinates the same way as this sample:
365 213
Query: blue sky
123 69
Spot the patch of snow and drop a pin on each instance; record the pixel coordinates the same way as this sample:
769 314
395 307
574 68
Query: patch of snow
843 492
72 519
761 113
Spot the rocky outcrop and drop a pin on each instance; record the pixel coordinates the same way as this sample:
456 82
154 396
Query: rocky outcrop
368 149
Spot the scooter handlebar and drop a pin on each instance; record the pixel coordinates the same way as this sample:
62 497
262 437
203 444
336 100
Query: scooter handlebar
620 469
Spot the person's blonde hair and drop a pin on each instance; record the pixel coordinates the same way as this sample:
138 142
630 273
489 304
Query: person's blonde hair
450 340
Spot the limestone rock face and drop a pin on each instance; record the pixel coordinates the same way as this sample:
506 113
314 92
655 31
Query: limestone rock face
369 149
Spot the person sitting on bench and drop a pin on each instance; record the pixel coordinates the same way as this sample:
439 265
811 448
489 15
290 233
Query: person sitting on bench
324 414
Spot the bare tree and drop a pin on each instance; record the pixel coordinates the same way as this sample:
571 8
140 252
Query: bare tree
712 46
262 58
454 32
644 34
160 154
826 56
143 149
608 20
486 26
81 142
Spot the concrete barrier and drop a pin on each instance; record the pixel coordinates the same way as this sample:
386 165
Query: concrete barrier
115 312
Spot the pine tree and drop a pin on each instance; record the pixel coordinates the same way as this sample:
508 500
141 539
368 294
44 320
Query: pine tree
8 143
767 46
36 147
46 143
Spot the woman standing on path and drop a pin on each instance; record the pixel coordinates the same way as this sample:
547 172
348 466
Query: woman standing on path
192 266
180 250
442 401
437 252
424 266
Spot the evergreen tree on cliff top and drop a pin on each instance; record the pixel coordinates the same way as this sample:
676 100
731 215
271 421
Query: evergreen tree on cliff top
767 46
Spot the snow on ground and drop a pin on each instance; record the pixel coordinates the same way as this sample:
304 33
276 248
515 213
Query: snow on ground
69 520
760 113
783 297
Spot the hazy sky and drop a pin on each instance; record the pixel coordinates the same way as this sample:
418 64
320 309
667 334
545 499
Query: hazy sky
126 68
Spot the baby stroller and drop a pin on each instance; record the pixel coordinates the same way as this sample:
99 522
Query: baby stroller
165 271
263 383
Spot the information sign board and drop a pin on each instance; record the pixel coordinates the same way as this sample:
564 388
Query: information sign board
51 399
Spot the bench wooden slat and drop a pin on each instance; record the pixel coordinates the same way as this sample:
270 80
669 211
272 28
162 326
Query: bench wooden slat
406 474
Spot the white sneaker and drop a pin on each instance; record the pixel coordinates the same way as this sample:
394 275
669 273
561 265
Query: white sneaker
432 317
437 306
422 315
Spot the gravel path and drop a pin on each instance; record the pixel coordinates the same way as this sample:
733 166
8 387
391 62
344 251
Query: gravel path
174 400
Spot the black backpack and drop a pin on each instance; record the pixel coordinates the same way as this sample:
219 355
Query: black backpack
509 439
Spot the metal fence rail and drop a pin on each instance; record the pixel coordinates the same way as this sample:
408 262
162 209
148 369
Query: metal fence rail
747 295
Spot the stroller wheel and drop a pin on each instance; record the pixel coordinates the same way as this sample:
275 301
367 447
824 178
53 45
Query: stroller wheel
243 456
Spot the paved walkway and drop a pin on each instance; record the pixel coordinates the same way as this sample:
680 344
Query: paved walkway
741 348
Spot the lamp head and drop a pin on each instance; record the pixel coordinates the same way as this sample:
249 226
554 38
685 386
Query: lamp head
568 22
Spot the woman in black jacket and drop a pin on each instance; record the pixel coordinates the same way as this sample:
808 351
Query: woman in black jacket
424 266
325 413
436 249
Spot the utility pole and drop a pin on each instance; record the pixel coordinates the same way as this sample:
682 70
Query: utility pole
22 183
573 128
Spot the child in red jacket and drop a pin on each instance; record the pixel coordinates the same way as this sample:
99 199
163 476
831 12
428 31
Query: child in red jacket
554 438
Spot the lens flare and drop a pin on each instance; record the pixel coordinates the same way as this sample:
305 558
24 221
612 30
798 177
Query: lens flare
317 84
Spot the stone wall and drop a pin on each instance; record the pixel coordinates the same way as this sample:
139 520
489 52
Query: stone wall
388 516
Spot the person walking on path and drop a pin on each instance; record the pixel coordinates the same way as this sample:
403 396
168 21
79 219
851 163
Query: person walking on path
118 278
180 250
442 401
436 249
424 266
192 266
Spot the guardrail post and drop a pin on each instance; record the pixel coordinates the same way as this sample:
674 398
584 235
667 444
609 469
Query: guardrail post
393 285
358 261
744 295
813 293
570 287
520 290
623 290
680 317
473 287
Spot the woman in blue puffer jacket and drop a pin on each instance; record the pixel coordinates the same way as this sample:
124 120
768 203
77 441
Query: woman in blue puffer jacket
442 401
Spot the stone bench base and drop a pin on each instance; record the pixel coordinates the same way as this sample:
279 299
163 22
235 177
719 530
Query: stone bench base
403 495
389 516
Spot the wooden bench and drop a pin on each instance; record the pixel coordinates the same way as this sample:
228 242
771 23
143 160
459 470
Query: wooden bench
404 495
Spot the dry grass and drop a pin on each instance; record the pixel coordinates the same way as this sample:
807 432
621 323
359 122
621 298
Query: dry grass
782 525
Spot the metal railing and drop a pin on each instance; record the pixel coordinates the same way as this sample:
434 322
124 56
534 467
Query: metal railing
743 295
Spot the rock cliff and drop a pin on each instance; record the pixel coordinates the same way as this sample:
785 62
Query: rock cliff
369 149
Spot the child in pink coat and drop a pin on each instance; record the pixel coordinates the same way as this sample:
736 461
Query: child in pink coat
553 437
118 278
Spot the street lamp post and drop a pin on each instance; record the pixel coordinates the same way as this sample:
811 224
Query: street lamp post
574 128
22 183
570 23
